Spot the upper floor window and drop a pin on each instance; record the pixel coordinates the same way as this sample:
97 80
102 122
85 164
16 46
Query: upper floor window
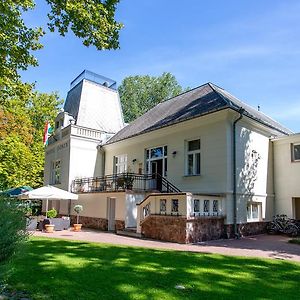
56 175
120 163
193 157
296 152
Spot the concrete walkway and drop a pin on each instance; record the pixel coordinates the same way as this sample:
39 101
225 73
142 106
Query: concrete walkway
265 246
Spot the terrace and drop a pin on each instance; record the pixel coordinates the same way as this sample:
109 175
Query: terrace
122 182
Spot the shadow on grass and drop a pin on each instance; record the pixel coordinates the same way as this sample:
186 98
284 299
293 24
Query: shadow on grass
59 269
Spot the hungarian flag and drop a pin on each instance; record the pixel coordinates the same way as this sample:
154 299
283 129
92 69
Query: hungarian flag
47 132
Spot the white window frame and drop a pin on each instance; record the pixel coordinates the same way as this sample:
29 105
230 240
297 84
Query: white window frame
194 153
120 164
163 157
293 152
259 212
56 172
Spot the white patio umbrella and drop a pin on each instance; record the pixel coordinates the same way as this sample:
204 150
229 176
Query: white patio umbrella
48 193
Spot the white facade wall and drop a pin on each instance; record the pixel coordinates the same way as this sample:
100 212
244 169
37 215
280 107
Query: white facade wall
83 157
131 201
60 150
286 175
254 160
252 164
212 133
254 171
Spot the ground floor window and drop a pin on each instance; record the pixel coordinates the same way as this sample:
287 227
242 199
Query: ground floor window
196 205
254 211
146 210
206 207
163 205
175 205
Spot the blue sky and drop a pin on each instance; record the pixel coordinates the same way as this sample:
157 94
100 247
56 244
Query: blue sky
250 48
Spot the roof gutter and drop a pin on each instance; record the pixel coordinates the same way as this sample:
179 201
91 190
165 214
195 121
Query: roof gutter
234 171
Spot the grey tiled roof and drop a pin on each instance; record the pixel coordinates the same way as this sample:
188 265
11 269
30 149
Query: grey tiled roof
205 99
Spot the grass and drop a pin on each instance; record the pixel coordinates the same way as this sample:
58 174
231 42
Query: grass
60 269
295 241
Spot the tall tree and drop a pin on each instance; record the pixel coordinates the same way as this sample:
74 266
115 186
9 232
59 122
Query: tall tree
23 111
140 93
91 20
21 130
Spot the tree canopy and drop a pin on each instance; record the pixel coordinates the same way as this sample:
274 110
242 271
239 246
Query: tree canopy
21 132
23 110
140 93
91 20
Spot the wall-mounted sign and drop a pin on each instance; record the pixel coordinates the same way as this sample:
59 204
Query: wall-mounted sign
62 146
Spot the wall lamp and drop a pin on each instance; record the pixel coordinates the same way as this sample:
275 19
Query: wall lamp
174 153
134 160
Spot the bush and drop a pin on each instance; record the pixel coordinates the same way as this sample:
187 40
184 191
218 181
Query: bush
52 213
12 228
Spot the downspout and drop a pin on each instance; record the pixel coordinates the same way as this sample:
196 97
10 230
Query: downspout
101 150
241 111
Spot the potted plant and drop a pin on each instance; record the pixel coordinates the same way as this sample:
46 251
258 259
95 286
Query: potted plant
78 209
128 181
52 213
125 181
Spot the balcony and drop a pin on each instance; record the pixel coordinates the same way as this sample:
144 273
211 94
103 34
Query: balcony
122 182
75 130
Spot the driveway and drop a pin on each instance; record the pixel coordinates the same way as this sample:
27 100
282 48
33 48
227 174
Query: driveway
265 246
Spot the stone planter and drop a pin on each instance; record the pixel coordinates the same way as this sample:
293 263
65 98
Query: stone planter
49 228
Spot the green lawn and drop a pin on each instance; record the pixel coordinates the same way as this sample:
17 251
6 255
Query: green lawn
59 269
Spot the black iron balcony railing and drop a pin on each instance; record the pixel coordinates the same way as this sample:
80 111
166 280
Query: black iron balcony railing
122 182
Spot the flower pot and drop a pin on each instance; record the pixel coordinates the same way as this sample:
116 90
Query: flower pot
77 227
49 228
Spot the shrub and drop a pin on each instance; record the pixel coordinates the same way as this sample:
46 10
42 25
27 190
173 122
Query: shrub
12 228
52 213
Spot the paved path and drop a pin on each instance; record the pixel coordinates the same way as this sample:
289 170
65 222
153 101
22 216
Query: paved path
265 246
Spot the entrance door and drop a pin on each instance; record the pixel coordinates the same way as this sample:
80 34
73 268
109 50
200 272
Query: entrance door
297 208
111 213
157 168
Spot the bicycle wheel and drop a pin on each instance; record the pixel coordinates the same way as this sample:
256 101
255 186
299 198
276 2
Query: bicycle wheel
291 230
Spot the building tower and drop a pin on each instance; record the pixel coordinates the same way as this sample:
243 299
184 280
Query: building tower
91 115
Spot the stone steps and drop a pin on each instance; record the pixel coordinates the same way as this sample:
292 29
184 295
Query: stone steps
130 232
